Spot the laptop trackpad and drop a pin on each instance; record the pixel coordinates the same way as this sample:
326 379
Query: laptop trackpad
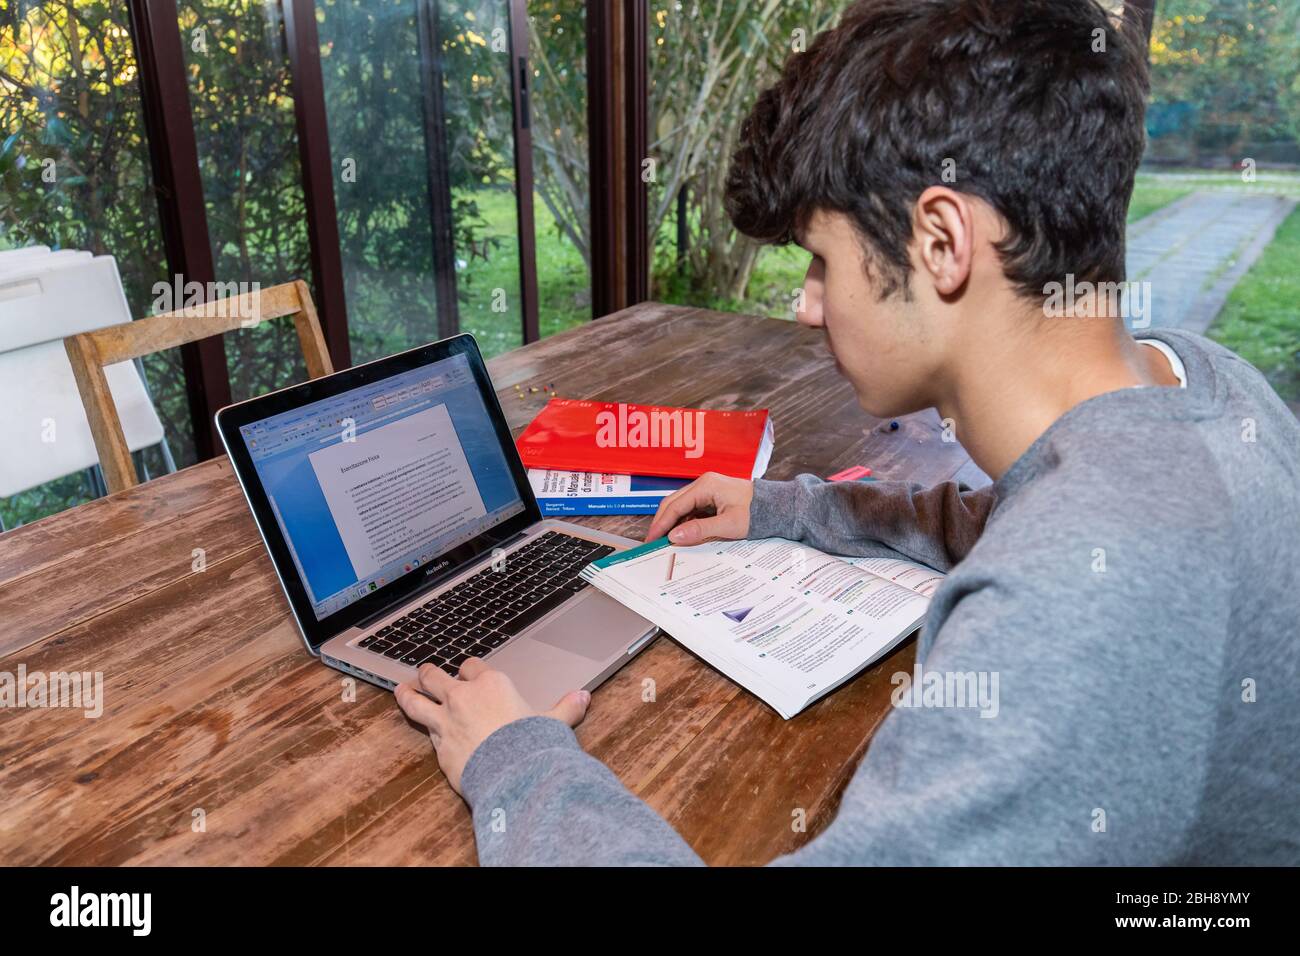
594 627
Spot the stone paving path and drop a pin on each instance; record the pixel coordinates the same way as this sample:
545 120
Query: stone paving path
1193 251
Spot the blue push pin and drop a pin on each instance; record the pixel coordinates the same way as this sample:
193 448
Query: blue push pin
893 426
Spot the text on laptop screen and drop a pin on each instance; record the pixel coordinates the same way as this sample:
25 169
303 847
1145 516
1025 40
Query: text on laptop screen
376 482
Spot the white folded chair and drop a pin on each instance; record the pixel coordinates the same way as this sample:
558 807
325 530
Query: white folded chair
45 296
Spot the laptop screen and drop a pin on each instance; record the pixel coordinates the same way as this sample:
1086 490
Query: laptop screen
376 482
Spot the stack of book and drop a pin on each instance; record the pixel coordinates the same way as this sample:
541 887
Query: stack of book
586 457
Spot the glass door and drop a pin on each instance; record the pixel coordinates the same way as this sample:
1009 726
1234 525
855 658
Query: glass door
420 115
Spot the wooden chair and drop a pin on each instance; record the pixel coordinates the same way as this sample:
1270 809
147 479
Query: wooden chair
91 352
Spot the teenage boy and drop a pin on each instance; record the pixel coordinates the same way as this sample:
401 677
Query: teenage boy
1130 576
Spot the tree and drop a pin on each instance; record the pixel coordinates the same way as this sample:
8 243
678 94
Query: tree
558 50
73 163
707 63
1226 75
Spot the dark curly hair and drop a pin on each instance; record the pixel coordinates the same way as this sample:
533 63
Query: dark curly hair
1036 105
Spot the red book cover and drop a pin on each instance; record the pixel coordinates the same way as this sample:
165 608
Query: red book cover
627 439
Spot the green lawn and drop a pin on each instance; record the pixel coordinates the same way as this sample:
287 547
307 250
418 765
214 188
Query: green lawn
1261 319
1151 193
563 282
1281 182
1155 189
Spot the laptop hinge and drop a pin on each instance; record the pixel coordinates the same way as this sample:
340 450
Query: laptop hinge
518 535
417 593
432 583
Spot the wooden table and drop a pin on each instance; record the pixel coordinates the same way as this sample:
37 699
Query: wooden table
212 704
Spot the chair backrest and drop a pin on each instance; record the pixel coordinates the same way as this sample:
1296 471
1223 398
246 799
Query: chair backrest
46 298
7 255
90 352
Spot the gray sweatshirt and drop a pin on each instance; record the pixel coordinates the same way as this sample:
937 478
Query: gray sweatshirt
1132 581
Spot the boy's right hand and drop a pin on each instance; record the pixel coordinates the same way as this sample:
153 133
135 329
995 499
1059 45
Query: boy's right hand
727 498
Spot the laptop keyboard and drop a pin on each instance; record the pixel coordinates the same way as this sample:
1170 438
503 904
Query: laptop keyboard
489 608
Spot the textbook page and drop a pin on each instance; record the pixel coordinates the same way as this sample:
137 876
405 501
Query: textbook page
787 621
909 574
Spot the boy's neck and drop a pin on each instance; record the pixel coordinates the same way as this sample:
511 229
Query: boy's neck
1002 399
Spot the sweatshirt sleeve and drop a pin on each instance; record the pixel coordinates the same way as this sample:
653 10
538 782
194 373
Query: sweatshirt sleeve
1062 711
539 800
936 526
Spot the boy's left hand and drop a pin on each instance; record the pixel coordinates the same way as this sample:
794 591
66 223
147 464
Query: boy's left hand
466 710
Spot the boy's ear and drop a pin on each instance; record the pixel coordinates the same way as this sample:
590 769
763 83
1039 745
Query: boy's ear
943 228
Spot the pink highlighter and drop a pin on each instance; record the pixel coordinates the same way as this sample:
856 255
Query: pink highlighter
856 473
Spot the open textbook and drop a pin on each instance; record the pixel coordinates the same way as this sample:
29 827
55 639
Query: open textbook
786 621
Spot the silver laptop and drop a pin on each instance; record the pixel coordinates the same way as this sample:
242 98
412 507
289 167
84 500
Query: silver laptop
404 531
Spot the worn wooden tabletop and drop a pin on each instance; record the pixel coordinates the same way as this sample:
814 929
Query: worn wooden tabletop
223 742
